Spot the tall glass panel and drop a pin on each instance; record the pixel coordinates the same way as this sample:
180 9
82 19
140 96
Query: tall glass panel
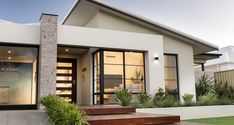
134 71
170 73
18 75
97 78
113 71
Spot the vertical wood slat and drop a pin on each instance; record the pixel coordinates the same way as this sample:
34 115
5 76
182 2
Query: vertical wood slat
225 76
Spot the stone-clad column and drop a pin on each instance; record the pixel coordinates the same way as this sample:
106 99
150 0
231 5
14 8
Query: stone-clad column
48 54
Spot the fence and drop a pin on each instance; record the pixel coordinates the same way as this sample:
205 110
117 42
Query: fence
225 76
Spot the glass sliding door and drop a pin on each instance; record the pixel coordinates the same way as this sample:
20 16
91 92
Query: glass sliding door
114 70
18 76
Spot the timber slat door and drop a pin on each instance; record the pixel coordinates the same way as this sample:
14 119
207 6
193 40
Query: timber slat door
66 79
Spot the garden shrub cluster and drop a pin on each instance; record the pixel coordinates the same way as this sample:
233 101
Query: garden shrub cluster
208 93
62 112
213 93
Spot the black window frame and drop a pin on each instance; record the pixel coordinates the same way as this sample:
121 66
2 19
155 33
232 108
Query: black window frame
101 66
25 106
177 93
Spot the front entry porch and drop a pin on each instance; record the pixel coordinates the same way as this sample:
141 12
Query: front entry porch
116 115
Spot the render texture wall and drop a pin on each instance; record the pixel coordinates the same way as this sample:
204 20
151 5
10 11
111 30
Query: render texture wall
19 33
170 45
81 36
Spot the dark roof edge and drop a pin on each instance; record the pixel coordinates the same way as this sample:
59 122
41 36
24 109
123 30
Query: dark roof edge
49 14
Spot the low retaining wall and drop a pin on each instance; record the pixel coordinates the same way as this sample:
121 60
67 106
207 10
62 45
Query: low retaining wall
195 112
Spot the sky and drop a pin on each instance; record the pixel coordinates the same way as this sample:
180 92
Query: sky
210 20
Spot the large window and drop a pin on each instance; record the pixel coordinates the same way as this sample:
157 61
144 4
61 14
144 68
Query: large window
18 75
114 70
171 74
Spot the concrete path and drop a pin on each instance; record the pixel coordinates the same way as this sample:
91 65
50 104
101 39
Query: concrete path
39 117
26 117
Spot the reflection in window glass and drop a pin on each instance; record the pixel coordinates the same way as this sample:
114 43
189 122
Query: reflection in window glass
134 58
170 73
112 57
18 75
120 70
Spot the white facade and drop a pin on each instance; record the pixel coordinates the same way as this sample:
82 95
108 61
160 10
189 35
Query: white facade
99 28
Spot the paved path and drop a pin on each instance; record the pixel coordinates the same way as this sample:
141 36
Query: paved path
27 117
38 117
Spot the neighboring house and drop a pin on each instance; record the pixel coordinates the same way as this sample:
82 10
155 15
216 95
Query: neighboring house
97 50
225 62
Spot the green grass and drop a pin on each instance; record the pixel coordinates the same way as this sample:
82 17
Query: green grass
215 121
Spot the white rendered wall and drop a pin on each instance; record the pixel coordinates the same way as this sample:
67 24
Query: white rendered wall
19 33
194 112
152 44
170 45
185 64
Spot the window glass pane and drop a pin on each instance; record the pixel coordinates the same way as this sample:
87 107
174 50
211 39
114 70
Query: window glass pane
111 57
109 99
134 72
113 71
96 86
96 58
170 73
18 75
97 99
171 86
134 58
135 87
112 85
170 60
96 72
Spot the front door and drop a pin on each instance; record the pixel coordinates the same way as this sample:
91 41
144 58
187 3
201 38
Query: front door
66 79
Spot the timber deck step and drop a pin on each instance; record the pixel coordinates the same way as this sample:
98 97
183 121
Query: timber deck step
118 115
107 109
132 119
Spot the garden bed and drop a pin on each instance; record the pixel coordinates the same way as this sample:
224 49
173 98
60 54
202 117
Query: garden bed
193 112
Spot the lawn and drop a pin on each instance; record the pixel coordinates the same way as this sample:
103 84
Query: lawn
216 121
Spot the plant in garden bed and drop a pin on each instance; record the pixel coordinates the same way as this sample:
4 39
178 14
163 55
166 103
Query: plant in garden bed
123 97
62 112
144 100
188 99
208 99
204 85
163 99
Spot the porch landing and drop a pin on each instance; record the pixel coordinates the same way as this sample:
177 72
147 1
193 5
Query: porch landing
116 115
39 117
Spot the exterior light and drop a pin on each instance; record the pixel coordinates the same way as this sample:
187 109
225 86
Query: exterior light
9 51
9 57
66 50
156 58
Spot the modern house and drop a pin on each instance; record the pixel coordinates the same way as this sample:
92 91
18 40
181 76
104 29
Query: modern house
225 62
97 50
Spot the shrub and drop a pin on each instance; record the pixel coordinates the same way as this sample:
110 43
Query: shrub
123 97
188 99
208 99
144 100
204 85
224 90
225 101
162 99
62 112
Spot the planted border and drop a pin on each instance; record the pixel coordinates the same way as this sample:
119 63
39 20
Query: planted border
61 112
